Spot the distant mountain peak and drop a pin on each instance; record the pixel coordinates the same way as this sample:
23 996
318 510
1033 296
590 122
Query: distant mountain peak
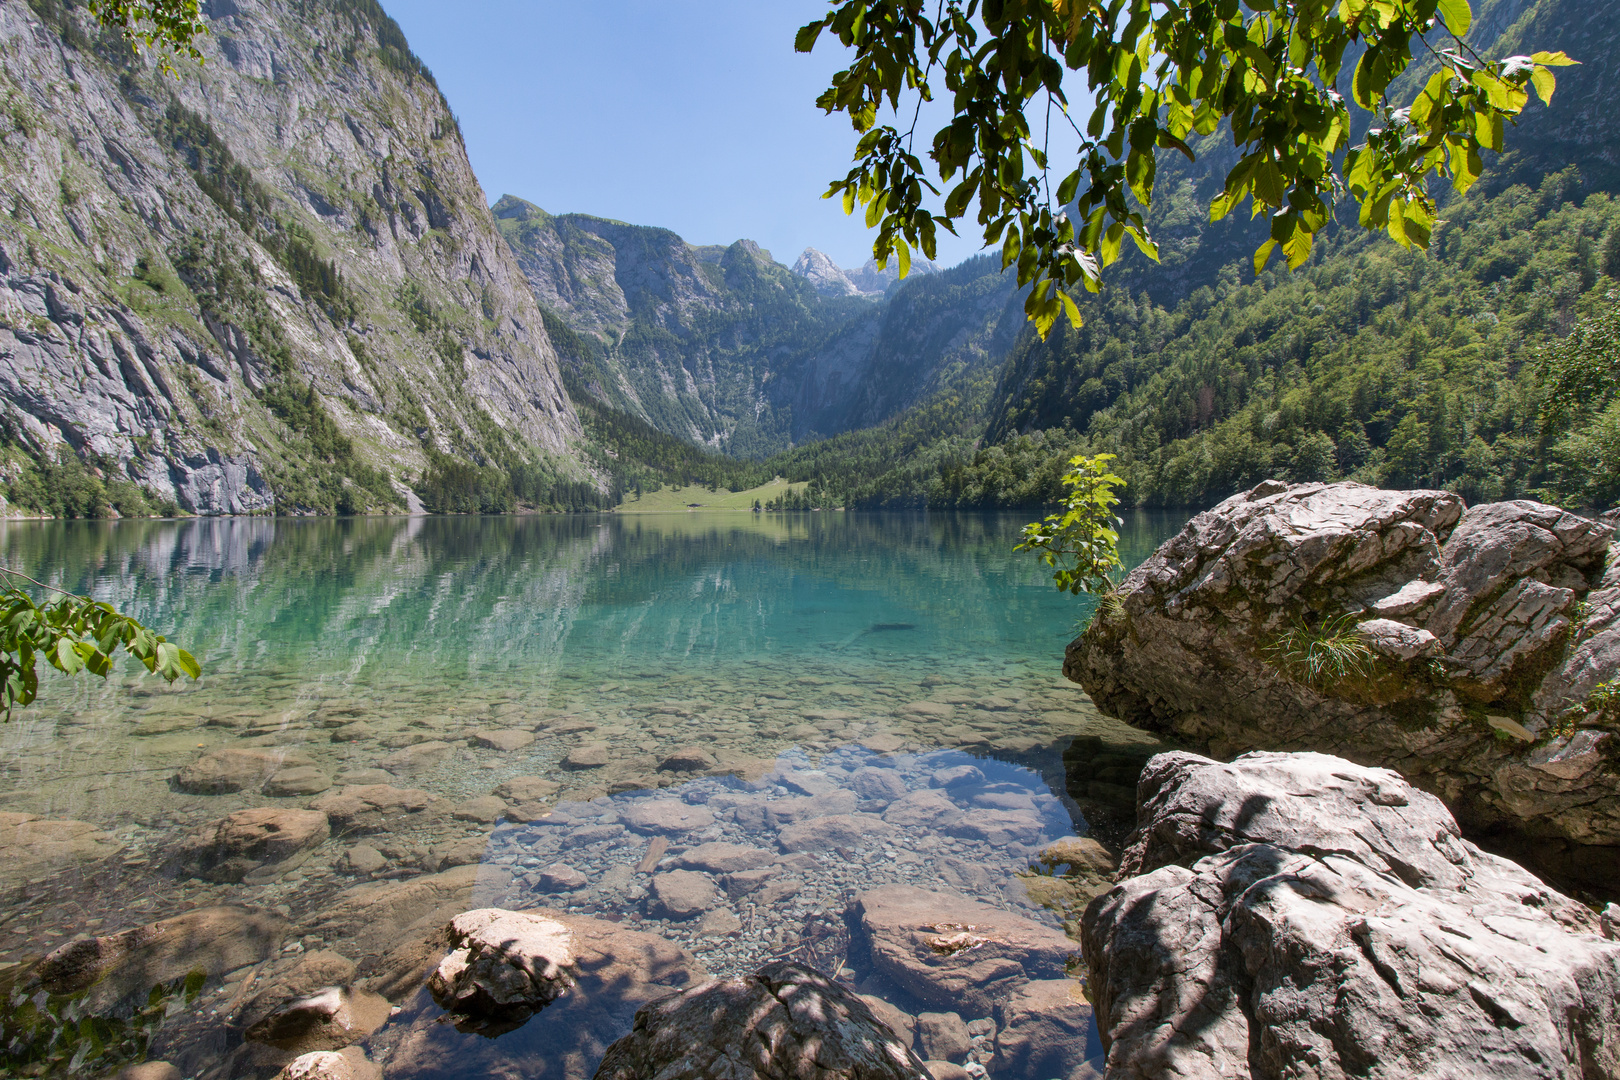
823 274
828 279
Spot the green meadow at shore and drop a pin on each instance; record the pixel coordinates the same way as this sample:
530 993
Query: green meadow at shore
698 497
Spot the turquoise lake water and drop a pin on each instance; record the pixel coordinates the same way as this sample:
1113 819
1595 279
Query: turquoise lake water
380 649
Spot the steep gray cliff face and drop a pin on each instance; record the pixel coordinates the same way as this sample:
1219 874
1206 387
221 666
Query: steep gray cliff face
726 347
262 281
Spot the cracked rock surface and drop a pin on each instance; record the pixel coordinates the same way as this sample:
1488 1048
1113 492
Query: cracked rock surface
1490 626
1300 915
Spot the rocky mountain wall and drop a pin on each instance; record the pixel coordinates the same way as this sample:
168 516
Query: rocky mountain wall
727 348
267 280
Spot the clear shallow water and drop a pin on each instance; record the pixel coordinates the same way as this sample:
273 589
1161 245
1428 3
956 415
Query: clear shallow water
785 646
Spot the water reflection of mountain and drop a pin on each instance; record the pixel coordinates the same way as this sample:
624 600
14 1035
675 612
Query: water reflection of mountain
357 598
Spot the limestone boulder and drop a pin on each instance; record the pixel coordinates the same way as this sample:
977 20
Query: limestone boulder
953 953
230 849
1297 913
783 1021
1470 615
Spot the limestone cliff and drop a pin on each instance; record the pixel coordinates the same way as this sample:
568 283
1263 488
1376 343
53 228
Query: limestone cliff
268 280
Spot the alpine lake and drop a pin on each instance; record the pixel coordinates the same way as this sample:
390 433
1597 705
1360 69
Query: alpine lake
709 732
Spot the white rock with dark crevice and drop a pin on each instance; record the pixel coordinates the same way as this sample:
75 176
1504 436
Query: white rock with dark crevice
783 1021
503 967
1297 914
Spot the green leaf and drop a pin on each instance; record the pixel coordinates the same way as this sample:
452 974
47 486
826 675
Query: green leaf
1262 255
1545 83
1072 310
805 39
1458 16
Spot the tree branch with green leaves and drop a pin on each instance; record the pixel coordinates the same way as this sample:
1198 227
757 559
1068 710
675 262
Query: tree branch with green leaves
1160 72
169 25
72 634
1081 543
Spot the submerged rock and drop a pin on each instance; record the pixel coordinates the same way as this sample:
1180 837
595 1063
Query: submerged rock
1299 913
231 769
297 780
505 739
329 1019
230 849
34 848
371 808
682 894
116 968
954 953
348 1064
1470 615
783 1021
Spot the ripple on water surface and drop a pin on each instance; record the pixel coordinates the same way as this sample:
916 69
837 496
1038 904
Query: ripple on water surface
718 732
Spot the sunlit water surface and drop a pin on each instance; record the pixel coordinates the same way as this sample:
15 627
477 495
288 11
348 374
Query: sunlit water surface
793 649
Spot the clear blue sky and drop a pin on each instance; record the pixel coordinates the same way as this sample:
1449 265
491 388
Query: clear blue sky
695 116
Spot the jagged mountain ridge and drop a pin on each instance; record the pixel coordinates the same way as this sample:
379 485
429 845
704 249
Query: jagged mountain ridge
264 280
830 279
731 350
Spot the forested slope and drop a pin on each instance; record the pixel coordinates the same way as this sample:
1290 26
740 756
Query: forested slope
1393 367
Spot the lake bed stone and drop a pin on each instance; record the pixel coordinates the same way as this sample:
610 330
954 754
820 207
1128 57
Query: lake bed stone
724 858
666 817
231 769
370 808
415 758
505 740
117 968
297 780
229 849
920 940
682 894
485 808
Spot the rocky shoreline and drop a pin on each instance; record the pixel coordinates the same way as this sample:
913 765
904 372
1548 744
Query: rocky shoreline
818 860
1488 633
1278 913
